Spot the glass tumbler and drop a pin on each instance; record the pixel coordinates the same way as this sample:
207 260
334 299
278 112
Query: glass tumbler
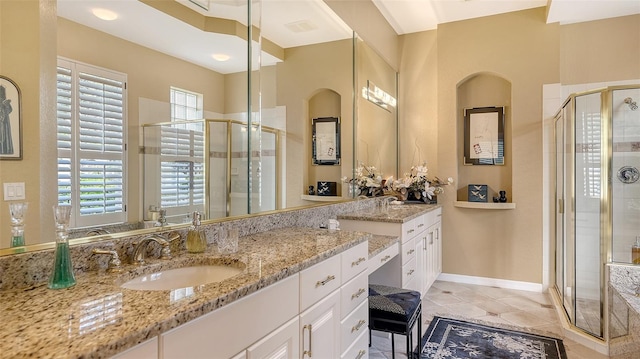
62 274
18 211
227 240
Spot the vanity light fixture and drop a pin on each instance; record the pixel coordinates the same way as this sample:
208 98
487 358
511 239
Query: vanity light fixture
221 57
376 95
104 14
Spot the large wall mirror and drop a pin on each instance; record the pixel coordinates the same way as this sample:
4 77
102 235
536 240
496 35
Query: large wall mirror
210 122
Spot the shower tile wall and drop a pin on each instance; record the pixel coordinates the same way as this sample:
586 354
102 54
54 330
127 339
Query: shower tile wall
626 152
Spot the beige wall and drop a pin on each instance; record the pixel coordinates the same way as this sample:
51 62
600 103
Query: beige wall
523 50
25 43
306 71
597 51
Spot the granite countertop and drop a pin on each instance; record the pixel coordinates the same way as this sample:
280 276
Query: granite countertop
400 213
625 278
378 243
97 318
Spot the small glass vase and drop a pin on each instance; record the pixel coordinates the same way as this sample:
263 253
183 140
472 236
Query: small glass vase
62 274
18 211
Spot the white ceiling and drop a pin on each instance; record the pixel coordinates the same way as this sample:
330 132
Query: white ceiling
290 23
407 16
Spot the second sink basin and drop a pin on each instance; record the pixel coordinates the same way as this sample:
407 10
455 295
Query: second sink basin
184 277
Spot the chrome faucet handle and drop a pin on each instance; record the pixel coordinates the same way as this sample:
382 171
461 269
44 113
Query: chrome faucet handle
114 261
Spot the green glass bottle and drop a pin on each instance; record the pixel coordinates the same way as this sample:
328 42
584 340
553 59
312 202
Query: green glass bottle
62 273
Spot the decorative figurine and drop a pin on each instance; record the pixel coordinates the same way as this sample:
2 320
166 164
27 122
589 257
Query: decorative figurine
503 197
311 191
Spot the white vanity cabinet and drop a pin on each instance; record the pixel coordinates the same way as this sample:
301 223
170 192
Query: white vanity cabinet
146 350
419 262
320 312
231 329
334 325
432 249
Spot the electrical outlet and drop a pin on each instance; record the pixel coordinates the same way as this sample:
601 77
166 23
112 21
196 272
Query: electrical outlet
14 191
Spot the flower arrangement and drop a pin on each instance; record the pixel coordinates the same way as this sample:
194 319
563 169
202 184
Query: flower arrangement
416 184
367 181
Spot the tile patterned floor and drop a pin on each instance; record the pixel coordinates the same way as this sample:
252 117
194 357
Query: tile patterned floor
490 304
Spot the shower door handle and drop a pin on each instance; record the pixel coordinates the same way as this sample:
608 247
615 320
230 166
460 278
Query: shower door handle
560 206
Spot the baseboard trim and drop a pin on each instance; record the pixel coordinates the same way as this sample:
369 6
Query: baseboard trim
493 282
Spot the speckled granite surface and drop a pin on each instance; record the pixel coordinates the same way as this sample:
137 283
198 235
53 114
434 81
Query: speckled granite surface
625 279
378 243
97 318
395 214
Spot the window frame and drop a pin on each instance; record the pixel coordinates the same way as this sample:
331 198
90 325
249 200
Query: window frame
76 154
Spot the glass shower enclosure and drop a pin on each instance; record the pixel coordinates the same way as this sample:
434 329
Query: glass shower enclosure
597 200
201 165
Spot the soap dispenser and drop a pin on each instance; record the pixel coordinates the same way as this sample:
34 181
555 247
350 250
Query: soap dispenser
196 240
635 251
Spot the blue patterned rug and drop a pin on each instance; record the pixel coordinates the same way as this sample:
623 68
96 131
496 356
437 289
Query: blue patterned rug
456 339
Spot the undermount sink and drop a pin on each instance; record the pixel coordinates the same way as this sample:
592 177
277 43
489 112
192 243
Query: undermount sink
184 277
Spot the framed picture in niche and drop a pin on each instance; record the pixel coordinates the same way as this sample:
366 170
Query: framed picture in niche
484 136
326 141
10 120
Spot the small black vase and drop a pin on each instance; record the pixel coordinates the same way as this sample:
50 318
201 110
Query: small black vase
311 191
503 197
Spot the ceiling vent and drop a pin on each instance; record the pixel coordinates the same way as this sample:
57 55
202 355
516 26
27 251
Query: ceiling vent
301 26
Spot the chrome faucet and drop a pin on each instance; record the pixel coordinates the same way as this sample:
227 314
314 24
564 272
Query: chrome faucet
140 249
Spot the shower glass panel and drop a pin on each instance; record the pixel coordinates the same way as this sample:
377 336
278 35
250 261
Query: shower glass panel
597 136
625 165
588 194
201 166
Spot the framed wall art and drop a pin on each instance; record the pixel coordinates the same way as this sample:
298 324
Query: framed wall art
10 120
484 136
326 141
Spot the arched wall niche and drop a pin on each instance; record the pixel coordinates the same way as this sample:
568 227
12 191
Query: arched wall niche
484 89
323 103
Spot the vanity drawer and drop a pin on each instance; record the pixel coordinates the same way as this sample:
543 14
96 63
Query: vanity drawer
353 293
383 257
354 261
409 271
353 325
409 229
318 281
408 250
359 349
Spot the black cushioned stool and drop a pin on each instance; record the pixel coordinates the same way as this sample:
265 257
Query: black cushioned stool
396 311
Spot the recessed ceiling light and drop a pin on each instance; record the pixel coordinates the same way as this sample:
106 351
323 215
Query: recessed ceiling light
221 57
104 14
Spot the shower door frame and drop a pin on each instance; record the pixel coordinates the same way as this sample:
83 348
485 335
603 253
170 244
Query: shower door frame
565 202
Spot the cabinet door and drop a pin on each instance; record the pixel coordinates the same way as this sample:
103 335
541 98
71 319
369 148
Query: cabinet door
438 250
146 350
284 343
421 274
320 329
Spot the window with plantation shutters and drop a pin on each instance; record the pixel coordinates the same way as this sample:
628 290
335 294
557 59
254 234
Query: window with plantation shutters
91 111
182 155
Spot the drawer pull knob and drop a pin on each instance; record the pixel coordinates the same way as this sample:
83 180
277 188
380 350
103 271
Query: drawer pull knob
410 251
410 231
360 260
385 258
358 326
323 282
421 225
410 272
357 294
361 353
